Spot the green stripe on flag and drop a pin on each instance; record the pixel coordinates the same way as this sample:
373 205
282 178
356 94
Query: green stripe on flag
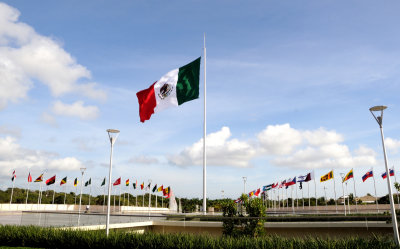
187 87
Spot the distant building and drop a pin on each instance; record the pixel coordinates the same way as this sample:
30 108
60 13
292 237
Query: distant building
367 199
341 200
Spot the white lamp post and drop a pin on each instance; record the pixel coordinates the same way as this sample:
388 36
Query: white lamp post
244 184
379 120
112 134
80 198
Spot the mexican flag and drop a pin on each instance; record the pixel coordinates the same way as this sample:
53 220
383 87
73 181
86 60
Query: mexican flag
175 88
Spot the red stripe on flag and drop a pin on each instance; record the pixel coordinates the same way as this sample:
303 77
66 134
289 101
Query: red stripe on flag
147 103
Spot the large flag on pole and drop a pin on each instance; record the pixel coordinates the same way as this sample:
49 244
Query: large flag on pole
367 175
327 176
310 176
348 175
76 182
175 88
29 177
89 182
51 180
154 188
104 182
142 186
127 183
391 173
161 188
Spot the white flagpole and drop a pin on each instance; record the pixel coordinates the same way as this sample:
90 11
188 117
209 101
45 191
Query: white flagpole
355 192
128 194
309 199
90 191
204 135
291 196
54 191
376 197
302 194
27 193
334 188
12 190
297 199
156 199
119 199
65 192
394 172
104 197
315 189
348 199
344 199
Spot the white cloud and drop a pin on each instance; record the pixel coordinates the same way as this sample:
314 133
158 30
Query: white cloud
13 131
284 146
221 151
26 55
279 139
76 109
13 156
392 144
49 119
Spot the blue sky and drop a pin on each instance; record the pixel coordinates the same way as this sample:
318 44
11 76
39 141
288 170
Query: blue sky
289 85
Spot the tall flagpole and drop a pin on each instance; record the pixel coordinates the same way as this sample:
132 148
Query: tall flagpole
54 192
27 193
309 200
376 197
334 188
394 173
65 192
355 192
204 135
315 189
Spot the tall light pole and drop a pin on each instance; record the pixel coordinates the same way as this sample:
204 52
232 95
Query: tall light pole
80 198
112 134
379 119
244 184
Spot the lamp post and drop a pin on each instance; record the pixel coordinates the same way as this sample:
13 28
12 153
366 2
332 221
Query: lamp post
112 134
80 198
379 121
244 184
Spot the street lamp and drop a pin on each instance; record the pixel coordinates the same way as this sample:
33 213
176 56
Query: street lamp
80 198
244 184
112 134
379 120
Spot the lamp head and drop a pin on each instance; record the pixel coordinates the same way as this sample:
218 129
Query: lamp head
377 109
112 134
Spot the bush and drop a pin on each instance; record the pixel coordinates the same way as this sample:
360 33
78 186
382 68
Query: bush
61 238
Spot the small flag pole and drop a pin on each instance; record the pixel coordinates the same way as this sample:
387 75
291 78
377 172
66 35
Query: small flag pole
90 192
376 197
302 194
54 191
204 135
395 180
291 196
297 199
12 190
355 192
27 193
334 188
309 199
104 197
344 199
128 193
348 198
315 189
156 199
119 199
65 192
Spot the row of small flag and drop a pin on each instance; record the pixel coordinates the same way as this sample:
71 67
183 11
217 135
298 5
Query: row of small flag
166 191
309 177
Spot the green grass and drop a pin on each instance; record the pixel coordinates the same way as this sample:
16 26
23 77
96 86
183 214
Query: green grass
29 236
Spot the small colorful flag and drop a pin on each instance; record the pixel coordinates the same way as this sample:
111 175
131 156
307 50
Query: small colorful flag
310 176
29 177
391 173
134 185
104 182
348 175
275 185
51 180
301 178
63 181
160 188
327 176
127 183
76 182
39 179
257 192
238 200
88 182
283 183
154 188
13 176
117 182
291 182
142 186
267 187
148 186
367 175
166 191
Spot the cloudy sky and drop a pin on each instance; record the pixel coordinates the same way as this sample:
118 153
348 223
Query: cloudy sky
289 85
